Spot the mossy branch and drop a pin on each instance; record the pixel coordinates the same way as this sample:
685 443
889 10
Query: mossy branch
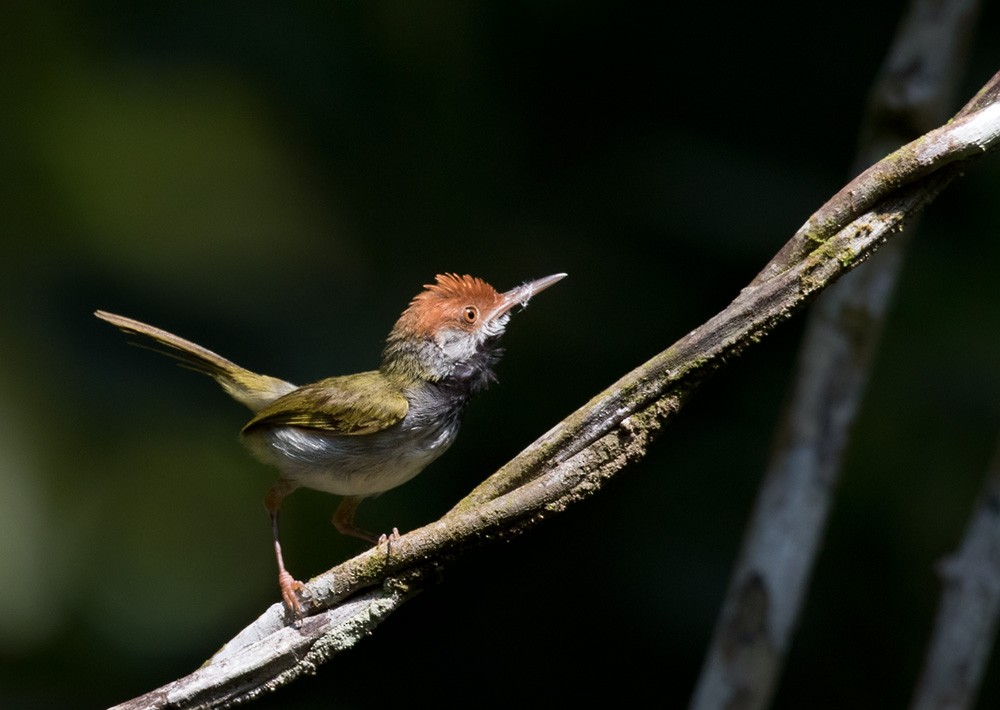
575 458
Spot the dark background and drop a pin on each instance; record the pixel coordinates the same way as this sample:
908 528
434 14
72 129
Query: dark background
277 181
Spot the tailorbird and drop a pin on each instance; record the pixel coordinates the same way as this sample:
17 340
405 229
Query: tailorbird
363 434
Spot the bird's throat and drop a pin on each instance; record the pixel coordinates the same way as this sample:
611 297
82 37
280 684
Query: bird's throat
407 362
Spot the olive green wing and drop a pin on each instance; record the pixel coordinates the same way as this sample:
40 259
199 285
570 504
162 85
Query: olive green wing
353 404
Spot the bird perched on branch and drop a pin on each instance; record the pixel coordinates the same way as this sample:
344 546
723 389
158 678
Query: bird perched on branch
363 434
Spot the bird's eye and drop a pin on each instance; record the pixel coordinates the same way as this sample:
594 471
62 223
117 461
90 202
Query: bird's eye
470 314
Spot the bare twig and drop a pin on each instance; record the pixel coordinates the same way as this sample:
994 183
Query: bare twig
966 624
573 459
911 95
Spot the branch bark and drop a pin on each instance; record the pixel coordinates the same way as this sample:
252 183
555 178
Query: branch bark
577 456
966 623
912 94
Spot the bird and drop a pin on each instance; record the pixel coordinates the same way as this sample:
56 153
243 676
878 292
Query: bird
362 434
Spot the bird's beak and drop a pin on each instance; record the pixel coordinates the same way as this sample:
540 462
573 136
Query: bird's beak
520 295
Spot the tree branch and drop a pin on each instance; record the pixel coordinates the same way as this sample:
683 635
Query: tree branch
911 95
966 623
573 460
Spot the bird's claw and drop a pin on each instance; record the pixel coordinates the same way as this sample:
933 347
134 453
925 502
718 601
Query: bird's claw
290 589
387 540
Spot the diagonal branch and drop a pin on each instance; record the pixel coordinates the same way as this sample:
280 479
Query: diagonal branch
769 582
571 461
955 141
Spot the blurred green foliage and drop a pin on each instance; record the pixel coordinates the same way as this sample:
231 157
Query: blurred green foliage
275 181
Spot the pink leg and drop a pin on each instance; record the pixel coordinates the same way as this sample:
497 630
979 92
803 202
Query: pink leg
343 520
289 585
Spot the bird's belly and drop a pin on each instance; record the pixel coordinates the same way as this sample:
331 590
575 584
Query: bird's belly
360 465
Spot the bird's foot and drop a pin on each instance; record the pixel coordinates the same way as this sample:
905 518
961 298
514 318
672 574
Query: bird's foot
290 589
387 540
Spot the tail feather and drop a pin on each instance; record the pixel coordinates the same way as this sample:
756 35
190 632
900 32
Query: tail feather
250 389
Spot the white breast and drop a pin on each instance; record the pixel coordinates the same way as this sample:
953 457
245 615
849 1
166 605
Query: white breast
360 465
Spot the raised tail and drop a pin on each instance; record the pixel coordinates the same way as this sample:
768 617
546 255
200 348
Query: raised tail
250 389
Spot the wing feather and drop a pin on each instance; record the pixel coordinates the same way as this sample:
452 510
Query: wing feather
350 405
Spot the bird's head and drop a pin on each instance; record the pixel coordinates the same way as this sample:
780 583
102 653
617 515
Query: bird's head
450 329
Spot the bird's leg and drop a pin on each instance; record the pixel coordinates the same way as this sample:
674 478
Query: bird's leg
288 584
343 520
